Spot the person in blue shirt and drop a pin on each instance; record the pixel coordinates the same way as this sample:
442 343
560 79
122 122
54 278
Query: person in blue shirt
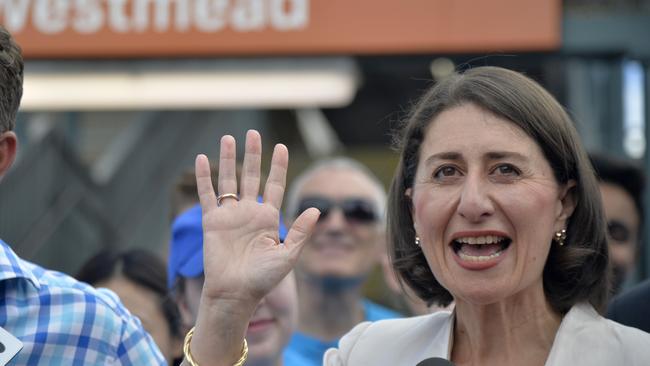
346 244
59 320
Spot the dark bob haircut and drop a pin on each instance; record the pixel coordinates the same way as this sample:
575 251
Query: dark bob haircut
139 266
575 272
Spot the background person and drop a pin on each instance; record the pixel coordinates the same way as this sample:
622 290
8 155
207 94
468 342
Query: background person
108 333
346 244
139 278
621 184
274 318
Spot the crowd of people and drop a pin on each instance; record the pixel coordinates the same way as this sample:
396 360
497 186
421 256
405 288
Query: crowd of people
505 237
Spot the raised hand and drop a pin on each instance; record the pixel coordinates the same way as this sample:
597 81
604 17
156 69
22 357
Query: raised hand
243 258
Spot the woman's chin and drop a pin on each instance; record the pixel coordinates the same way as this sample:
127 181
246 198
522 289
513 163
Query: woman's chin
265 350
479 299
481 293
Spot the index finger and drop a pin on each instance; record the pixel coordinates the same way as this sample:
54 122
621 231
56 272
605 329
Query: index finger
204 187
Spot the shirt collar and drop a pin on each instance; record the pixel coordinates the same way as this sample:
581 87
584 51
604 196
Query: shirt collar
12 266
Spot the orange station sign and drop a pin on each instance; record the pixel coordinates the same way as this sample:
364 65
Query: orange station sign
195 28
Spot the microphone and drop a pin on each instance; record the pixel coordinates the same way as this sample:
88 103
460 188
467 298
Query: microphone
435 361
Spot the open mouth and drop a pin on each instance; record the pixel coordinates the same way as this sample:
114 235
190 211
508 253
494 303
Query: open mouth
480 248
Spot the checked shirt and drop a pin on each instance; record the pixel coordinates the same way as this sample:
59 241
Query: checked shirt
65 322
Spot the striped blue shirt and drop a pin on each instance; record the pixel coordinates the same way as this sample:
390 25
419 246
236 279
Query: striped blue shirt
65 322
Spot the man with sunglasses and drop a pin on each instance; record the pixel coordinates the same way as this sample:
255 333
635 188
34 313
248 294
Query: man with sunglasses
621 185
345 246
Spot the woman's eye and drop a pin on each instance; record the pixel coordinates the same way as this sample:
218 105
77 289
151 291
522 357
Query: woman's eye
446 171
506 169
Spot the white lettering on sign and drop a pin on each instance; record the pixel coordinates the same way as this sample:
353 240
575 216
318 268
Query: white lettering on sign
295 18
249 15
50 15
14 13
209 15
124 16
117 20
89 16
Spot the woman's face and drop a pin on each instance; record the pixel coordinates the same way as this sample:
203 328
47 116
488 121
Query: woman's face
485 205
273 322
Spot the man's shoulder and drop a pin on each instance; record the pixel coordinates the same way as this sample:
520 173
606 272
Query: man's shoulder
638 295
631 307
60 319
64 303
69 290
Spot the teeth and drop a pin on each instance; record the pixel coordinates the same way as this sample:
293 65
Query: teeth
480 258
488 239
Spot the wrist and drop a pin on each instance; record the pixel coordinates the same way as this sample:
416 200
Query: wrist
218 308
189 360
219 331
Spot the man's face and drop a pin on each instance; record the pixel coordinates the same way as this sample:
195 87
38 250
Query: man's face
622 228
346 241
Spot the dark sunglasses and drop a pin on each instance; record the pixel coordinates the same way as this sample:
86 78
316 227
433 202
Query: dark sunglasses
618 231
354 209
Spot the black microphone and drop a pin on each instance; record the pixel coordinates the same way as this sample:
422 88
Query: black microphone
435 361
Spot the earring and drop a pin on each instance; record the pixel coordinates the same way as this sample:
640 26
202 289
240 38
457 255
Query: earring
560 237
417 240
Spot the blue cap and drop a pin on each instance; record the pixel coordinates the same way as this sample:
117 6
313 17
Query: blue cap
186 247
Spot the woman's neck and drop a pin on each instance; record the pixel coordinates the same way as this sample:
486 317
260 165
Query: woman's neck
519 330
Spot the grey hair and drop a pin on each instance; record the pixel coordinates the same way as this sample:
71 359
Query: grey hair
339 163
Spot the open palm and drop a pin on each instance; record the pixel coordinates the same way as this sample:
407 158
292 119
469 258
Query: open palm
243 257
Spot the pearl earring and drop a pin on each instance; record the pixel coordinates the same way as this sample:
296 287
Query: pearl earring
560 237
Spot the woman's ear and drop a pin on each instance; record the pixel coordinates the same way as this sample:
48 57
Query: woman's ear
567 202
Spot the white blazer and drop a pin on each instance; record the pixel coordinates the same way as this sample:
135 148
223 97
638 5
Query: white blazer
584 338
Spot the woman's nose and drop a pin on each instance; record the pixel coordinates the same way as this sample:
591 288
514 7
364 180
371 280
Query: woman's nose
475 202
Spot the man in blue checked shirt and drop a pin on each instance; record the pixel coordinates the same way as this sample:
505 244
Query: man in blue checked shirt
58 320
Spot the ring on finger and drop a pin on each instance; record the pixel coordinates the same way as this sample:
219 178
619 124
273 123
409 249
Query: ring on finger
222 197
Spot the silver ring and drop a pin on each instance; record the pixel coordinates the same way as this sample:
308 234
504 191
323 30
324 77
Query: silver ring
221 197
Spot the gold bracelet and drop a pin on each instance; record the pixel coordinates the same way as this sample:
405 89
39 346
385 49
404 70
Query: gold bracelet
190 359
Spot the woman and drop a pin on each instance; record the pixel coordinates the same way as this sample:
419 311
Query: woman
493 206
275 317
138 277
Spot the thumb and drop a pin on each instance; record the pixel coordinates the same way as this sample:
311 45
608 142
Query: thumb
301 230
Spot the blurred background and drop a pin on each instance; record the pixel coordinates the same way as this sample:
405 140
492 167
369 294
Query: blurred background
120 95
